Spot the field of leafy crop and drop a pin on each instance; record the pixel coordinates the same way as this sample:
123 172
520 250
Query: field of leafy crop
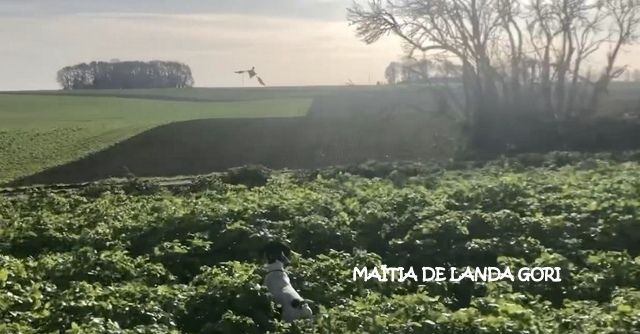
42 131
141 258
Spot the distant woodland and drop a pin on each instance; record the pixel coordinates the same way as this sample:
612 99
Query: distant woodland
126 74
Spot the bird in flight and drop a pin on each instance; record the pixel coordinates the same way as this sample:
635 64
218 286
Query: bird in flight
252 73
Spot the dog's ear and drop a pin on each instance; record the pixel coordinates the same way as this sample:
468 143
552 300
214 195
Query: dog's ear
275 250
285 249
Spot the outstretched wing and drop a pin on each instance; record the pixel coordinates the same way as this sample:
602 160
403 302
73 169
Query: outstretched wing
260 81
239 72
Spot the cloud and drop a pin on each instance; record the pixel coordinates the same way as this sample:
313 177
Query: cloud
319 9
286 50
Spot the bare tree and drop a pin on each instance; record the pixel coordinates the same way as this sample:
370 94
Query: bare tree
625 20
465 29
515 55
586 40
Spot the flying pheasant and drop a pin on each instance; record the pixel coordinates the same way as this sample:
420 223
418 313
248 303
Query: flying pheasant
252 73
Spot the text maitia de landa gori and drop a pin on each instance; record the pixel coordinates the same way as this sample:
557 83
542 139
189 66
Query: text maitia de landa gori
453 274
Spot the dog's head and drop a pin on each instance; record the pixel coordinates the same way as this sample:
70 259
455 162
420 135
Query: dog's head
276 251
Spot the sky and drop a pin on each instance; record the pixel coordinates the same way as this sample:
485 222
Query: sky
290 42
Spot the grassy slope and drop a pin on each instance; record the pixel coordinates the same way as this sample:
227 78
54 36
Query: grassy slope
41 131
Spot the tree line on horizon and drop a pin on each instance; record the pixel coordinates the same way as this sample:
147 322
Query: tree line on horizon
125 74
412 70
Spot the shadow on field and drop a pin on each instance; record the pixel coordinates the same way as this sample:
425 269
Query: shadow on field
376 127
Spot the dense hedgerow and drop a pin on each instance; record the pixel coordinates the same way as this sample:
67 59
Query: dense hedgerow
122 260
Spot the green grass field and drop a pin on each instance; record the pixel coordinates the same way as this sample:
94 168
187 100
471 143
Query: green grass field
38 131
225 94
42 129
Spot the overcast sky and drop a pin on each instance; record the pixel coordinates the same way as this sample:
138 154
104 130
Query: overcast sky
291 42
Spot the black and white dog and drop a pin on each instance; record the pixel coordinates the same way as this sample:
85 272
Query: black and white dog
277 281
